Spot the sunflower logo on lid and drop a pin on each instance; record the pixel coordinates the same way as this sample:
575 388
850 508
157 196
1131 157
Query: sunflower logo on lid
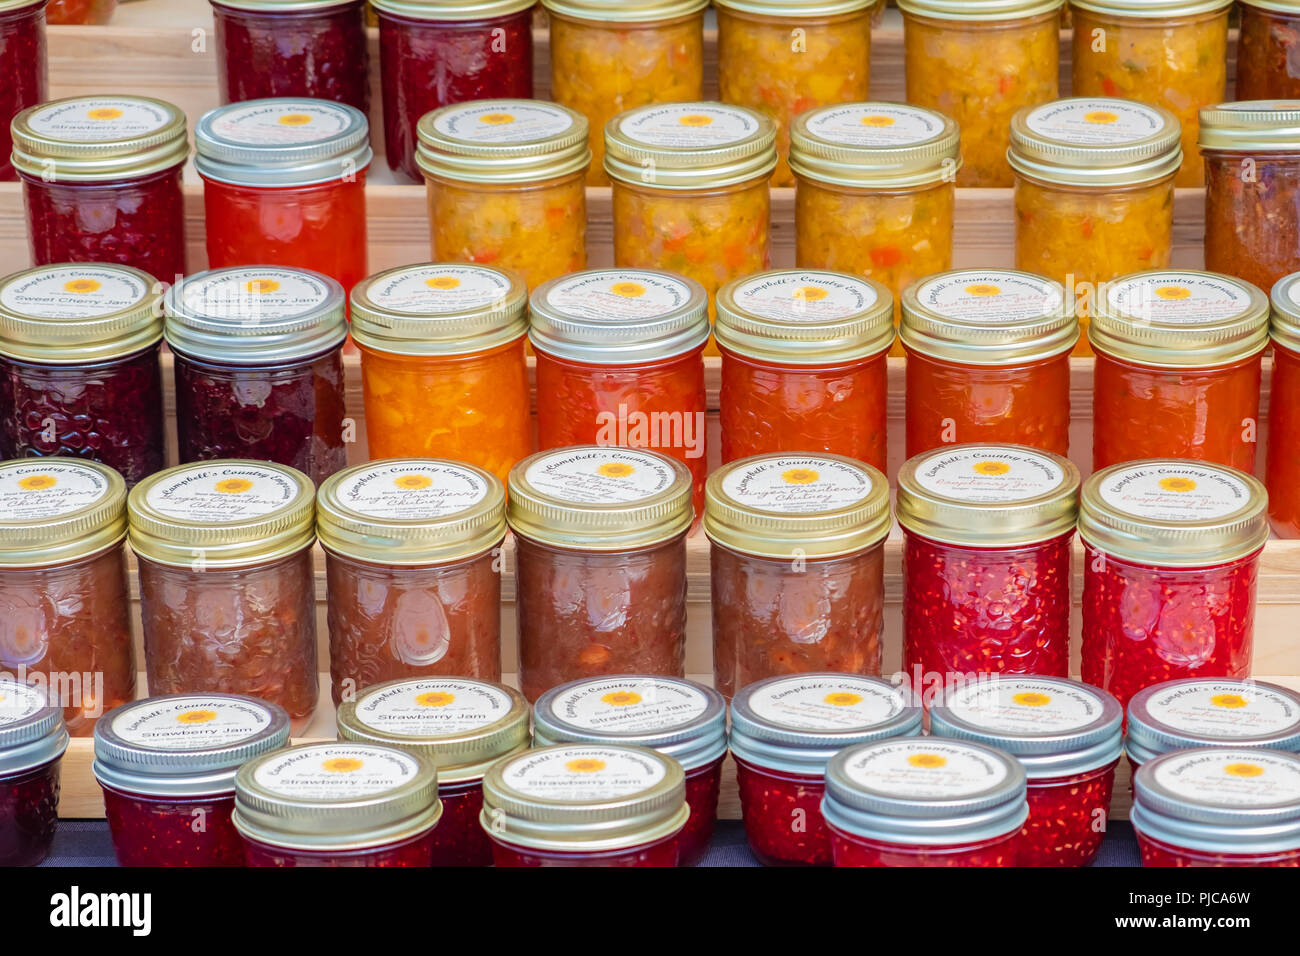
926 761
496 119
1104 117
1031 699
621 698
1173 293
196 717
983 290
342 765
234 486
435 698
991 468
696 119
413 482
442 283
585 765
37 482
262 286
1229 701
1244 770
800 476
628 290
616 469
843 698
81 286
294 119
1177 485
104 113
877 120
810 293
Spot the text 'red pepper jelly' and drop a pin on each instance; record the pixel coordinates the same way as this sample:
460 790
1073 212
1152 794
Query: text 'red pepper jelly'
23 69
32 742
1282 459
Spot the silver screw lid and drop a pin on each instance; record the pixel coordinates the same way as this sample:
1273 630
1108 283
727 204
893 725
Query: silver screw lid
31 731
1211 711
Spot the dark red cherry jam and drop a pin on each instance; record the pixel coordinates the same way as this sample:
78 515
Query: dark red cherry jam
23 70
32 742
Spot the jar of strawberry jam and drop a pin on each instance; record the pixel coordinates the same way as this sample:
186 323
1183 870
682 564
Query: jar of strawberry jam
167 768
986 563
1172 553
784 731
32 743
685 720
600 552
585 805
1067 737
23 67
460 726
1282 460
102 182
412 571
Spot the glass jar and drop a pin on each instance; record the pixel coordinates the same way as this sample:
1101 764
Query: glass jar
980 66
442 364
337 804
1282 461
284 184
987 532
804 365
65 606
1266 65
81 12
227 590
784 730
32 743
435 53
988 360
1178 370
613 55
102 182
412 571
600 554
79 370
167 768
1172 553
460 726
23 66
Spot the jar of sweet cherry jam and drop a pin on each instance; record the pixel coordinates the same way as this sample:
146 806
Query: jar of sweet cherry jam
1068 738
32 743
1282 459
412 571
685 720
460 726
24 69
167 768
1266 66
1171 554
102 182
987 532
600 564
784 731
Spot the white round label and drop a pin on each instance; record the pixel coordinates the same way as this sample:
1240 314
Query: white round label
582 773
191 723
926 767
1186 493
516 122
1095 122
1232 778
989 474
73 292
32 489
1230 710
601 296
992 298
434 707
223 494
689 125
340 771
1177 298
805 296
1025 706
623 706
251 296
826 703
600 476
806 485
412 491
281 123
436 290
100 119
18 702
875 124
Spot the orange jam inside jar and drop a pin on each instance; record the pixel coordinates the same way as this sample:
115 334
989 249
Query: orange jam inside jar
988 360
443 373
1282 463
506 184
1179 356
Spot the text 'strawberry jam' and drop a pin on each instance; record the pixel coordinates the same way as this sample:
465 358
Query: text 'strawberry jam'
167 768
23 68
1171 553
1068 738
585 805
1266 65
682 719
412 569
784 731
460 726
1282 460
600 564
32 742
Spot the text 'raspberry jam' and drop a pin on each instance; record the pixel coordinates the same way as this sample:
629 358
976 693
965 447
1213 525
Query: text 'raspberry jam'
32 742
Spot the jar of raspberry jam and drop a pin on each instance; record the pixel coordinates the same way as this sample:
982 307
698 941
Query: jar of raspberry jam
784 731
259 367
413 572
460 726
102 182
1282 459
685 720
1171 552
925 802
1067 737
32 742
986 563
79 370
585 805
23 67
167 768
337 804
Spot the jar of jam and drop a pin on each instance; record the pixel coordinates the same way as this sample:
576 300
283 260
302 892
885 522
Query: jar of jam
412 571
227 590
987 531
803 365
988 360
65 606
1067 737
284 184
167 768
79 370
784 731
1282 461
1266 68
585 805
102 182
685 720
79 13
434 53
925 802
1179 356
1172 553
337 804
460 726
23 66
32 743
600 552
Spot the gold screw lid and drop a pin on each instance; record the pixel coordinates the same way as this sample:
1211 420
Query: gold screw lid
875 145
56 510
689 145
503 141
1152 8
283 6
8 5
625 11
1174 513
98 138
1280 6
1285 300
796 8
451 9
1267 125
979 9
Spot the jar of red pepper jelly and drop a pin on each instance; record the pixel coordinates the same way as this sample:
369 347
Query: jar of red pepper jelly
284 184
23 68
1282 460
167 768
986 563
102 181
784 730
1171 553
685 720
460 726
32 743
1066 735
259 367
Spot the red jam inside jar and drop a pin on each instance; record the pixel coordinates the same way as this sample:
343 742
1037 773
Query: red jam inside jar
32 742
23 67
1282 463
